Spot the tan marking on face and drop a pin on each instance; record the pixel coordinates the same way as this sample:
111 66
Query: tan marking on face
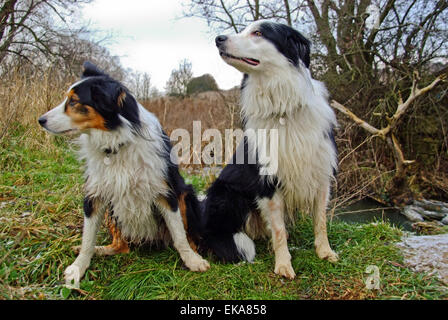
83 116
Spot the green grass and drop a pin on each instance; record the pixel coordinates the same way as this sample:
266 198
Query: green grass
41 219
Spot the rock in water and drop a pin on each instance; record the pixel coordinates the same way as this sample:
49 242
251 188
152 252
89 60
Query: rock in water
432 215
445 220
426 254
412 214
430 210
432 205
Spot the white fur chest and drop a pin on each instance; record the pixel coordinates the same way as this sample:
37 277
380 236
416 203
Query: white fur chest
304 158
304 154
130 179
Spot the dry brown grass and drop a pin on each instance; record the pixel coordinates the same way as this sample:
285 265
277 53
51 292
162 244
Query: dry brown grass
361 171
214 110
217 110
24 96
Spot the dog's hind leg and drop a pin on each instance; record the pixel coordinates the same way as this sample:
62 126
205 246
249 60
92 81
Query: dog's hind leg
93 216
321 243
272 211
118 245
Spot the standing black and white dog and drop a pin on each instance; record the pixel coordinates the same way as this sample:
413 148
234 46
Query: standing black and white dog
129 173
277 93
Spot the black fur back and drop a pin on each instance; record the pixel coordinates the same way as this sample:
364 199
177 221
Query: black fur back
229 203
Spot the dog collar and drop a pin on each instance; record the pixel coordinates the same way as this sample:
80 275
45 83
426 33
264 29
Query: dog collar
111 151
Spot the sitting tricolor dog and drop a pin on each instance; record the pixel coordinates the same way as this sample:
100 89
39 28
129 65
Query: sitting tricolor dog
129 173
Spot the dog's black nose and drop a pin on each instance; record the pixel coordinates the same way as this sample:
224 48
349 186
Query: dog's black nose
42 121
219 40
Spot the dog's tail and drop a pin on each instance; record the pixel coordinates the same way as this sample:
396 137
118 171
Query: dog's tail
230 247
223 222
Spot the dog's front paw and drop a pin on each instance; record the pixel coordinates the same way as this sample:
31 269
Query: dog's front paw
197 263
328 254
73 276
285 270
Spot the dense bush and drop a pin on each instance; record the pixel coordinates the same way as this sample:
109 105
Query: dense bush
203 83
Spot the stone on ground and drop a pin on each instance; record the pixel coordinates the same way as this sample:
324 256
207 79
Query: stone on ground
427 254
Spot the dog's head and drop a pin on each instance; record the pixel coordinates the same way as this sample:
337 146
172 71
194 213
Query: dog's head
263 46
96 102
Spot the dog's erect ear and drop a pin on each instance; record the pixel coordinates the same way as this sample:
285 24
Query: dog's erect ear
91 70
300 45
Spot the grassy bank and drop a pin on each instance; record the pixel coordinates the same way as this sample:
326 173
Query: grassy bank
41 219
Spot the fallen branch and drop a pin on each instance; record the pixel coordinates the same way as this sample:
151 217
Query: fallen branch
369 128
401 109
386 133
403 106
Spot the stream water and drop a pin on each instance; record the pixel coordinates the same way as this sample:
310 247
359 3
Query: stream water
368 210
421 253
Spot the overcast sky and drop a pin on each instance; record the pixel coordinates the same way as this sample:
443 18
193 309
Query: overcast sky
150 36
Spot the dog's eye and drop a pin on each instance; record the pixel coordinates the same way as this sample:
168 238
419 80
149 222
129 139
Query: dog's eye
72 103
257 33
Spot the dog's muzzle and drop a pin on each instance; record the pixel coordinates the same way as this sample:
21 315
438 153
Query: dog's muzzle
220 40
42 121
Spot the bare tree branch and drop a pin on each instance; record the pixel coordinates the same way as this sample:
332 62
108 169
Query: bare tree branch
387 133
232 21
363 124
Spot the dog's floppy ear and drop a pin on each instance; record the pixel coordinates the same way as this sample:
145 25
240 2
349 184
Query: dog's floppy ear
127 105
112 100
121 96
300 45
115 99
91 70
109 95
